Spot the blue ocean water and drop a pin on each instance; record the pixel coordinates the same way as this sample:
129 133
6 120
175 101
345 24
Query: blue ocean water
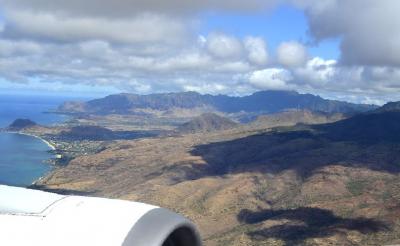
30 107
23 158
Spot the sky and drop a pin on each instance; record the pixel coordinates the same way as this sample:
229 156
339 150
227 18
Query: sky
338 49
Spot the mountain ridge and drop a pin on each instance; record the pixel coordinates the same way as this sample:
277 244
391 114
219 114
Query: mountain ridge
259 102
389 107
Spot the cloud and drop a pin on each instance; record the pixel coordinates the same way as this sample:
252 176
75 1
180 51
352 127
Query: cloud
124 8
18 48
363 84
143 28
382 74
257 50
317 71
146 46
224 46
291 54
271 78
368 29
100 63
206 88
328 76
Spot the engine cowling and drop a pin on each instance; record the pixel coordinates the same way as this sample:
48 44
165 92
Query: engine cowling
32 217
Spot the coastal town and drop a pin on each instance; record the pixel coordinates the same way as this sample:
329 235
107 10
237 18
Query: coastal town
62 146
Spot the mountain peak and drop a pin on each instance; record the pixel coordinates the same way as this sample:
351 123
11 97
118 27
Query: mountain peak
389 107
20 124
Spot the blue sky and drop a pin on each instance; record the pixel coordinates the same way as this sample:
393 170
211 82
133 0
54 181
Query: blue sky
218 47
284 23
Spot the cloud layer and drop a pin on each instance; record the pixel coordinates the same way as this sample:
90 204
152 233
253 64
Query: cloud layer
368 28
146 46
125 8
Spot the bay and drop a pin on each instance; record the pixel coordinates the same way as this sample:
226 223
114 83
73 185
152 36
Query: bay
22 159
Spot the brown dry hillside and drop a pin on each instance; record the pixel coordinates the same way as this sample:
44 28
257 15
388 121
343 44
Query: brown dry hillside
291 118
289 186
207 122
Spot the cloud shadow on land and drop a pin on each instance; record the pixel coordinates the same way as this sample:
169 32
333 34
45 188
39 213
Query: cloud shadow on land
306 223
368 141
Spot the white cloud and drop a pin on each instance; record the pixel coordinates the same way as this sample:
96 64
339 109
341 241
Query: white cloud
271 78
18 48
291 54
148 46
233 67
136 86
360 84
326 75
126 8
317 71
206 88
224 46
96 49
187 61
139 29
375 101
257 50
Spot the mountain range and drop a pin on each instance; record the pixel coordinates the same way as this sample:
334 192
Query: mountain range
260 102
328 184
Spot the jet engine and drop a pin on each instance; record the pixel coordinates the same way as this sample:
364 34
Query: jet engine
32 217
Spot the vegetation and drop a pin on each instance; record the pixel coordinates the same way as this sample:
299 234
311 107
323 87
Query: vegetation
330 184
357 187
206 123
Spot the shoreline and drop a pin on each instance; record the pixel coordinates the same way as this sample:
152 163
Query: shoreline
51 146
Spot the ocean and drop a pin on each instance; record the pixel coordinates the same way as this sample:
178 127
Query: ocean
23 158
30 107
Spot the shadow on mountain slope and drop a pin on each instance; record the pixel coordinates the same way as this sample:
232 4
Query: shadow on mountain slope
306 223
63 191
371 141
365 128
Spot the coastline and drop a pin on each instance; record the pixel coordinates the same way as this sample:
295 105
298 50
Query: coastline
51 146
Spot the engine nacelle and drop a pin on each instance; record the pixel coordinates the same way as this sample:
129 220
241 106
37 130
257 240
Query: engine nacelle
32 217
